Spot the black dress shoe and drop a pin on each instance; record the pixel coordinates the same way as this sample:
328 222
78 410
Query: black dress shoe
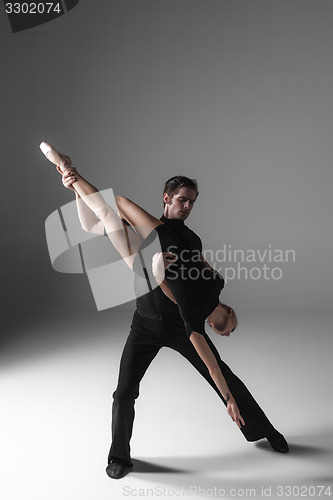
278 442
117 468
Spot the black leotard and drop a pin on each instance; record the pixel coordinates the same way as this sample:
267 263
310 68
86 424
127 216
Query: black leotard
195 288
154 300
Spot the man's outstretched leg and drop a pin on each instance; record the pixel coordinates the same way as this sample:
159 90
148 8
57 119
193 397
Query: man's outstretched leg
257 426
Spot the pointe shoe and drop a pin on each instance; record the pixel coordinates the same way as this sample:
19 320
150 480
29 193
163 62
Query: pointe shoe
117 469
63 161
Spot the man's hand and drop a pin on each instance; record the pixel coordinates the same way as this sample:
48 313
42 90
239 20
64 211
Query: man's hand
69 176
160 262
234 413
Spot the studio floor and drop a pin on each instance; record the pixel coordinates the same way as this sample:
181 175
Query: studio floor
58 372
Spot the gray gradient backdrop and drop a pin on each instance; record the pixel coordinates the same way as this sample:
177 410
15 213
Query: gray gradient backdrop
237 94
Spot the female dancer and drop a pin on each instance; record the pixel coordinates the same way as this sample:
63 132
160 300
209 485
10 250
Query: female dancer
197 298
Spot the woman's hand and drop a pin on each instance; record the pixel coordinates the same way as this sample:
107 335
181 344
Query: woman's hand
69 176
234 413
160 262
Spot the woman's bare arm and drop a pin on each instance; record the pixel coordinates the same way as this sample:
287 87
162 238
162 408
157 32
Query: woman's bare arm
210 361
160 262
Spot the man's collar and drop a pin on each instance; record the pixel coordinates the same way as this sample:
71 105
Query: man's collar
174 222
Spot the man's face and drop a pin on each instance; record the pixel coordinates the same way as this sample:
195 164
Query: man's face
179 206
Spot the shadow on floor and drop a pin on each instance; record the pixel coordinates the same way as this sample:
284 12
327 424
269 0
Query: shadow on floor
151 467
298 449
228 474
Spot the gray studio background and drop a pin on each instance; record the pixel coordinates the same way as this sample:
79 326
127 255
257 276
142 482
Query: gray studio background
235 94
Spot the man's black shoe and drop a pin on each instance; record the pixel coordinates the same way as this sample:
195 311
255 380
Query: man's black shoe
117 468
278 442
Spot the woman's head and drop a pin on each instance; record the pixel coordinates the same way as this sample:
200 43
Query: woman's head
223 320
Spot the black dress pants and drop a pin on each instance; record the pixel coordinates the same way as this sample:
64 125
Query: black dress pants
149 332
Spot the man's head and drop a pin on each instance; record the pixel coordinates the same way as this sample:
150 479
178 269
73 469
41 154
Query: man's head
179 195
223 320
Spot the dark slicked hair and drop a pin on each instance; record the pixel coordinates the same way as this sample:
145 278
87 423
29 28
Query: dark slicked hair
173 185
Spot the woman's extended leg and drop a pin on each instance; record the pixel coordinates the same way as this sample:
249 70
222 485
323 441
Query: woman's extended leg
136 216
141 221
125 241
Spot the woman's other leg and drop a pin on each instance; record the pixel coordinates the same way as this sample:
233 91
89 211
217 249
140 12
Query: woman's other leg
142 221
137 217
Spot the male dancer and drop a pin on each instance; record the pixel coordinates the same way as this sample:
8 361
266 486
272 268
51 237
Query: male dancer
157 323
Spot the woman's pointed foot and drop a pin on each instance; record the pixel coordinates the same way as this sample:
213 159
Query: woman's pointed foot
63 161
